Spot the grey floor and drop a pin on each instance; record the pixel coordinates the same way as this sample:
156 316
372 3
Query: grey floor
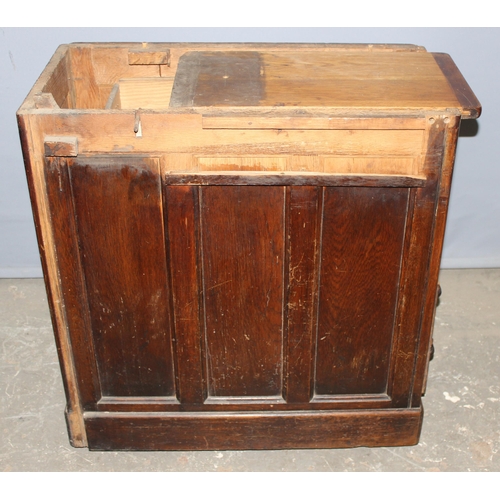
461 430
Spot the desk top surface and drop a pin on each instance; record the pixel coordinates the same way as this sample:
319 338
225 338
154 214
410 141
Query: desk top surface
371 80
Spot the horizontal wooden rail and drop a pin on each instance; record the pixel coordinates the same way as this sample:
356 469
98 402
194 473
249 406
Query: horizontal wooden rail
287 179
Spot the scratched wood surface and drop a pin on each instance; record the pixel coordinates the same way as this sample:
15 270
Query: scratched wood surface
363 234
124 266
243 250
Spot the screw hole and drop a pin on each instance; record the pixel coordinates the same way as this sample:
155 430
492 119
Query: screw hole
432 120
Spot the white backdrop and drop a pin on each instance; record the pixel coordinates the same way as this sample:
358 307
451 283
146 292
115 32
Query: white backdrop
472 235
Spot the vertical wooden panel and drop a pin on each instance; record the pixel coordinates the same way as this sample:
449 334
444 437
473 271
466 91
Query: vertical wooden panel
304 205
71 279
120 226
363 231
182 212
242 234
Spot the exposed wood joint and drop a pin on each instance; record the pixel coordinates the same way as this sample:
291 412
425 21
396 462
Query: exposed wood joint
60 146
45 100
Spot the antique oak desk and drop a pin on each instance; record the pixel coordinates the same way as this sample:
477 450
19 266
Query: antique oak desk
241 242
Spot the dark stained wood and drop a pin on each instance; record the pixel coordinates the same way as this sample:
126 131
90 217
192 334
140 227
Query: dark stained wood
244 404
71 278
463 92
295 179
362 241
243 247
433 288
120 227
303 246
415 270
258 431
221 78
182 214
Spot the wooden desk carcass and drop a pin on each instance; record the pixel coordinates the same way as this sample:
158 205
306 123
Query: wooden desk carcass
241 242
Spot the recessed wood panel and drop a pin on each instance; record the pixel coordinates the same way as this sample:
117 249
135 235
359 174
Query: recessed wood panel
242 231
120 230
362 241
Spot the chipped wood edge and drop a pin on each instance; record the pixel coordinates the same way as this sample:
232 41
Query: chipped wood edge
471 107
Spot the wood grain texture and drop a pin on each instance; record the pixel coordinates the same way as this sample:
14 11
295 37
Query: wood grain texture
294 179
433 289
110 63
471 108
85 93
145 55
71 277
303 247
145 93
183 133
32 146
281 430
218 78
184 254
243 248
307 120
244 164
354 79
381 80
120 228
415 268
362 239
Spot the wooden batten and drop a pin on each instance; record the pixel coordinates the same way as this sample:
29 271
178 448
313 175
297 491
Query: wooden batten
144 55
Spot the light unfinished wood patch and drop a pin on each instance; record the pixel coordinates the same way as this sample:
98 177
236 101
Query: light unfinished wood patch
145 93
369 165
271 163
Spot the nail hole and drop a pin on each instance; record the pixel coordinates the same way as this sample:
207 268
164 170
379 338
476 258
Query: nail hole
432 120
